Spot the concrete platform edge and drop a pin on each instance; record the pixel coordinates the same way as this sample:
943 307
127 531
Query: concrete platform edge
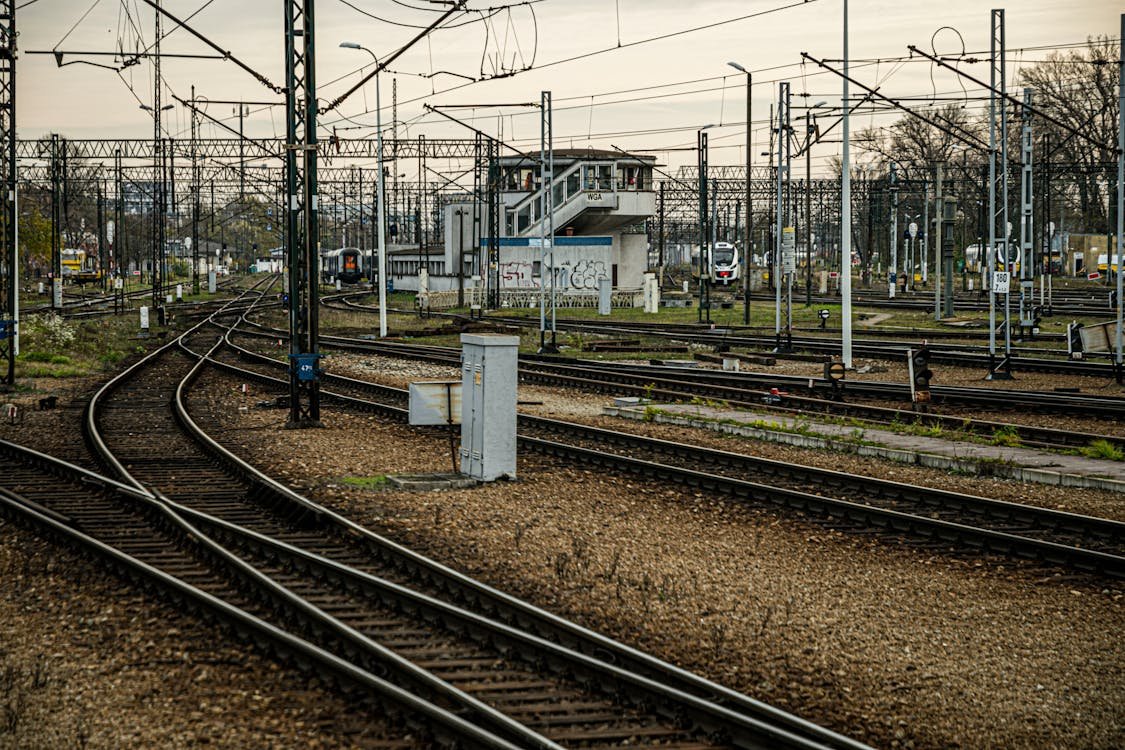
929 460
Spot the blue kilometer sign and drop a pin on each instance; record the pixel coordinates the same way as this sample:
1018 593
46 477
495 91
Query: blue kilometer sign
306 366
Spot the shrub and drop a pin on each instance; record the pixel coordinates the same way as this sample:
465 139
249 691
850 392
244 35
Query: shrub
48 332
1102 448
1007 436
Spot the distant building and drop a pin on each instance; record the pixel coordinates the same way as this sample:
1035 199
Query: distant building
601 201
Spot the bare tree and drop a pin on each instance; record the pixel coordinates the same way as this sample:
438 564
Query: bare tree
1079 89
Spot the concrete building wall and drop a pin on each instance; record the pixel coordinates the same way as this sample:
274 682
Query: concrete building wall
632 260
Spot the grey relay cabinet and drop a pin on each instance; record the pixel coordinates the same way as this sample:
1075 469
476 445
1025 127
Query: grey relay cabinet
489 370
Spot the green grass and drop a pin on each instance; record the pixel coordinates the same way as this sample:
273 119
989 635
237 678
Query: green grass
57 348
366 483
54 359
1103 449
1007 436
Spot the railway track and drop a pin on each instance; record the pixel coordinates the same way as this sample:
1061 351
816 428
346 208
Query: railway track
803 395
1023 531
512 681
148 542
1025 359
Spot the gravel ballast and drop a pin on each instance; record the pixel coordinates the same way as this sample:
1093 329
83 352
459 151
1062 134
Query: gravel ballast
88 662
898 646
901 646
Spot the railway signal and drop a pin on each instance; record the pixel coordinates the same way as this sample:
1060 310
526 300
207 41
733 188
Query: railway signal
834 373
918 361
1074 340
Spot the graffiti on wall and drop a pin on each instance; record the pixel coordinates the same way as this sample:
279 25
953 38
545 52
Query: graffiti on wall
585 274
515 274
579 275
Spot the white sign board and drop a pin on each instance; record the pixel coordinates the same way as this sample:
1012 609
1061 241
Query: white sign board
144 318
1098 336
788 249
435 402
1001 282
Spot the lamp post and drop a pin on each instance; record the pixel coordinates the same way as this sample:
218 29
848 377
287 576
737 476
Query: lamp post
704 251
381 199
747 242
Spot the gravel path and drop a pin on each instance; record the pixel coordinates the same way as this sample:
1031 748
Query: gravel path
901 646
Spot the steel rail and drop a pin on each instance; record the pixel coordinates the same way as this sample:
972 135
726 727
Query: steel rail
981 538
421 714
512 610
675 383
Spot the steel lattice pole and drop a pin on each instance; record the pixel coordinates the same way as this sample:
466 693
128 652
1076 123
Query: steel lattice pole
9 251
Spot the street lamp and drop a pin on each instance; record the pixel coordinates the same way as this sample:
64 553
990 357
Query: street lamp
748 239
381 223
704 254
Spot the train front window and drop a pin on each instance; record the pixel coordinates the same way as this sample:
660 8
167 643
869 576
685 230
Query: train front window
723 255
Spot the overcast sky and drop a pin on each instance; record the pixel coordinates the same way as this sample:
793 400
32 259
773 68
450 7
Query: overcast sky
620 97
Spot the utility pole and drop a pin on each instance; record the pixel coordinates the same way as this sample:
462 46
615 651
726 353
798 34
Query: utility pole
784 242
118 216
494 208
241 152
302 229
1001 370
9 250
935 233
810 124
195 189
892 273
546 221
748 248
662 237
1027 239
101 233
56 224
460 257
925 239
748 267
789 238
1121 208
846 216
704 250
157 277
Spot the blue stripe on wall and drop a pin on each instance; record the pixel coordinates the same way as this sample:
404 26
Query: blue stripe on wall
559 241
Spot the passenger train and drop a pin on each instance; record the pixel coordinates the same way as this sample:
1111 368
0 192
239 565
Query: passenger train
724 263
726 266
345 264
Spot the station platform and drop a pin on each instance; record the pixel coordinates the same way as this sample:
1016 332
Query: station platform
979 458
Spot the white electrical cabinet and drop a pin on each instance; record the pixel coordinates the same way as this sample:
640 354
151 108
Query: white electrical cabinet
489 371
